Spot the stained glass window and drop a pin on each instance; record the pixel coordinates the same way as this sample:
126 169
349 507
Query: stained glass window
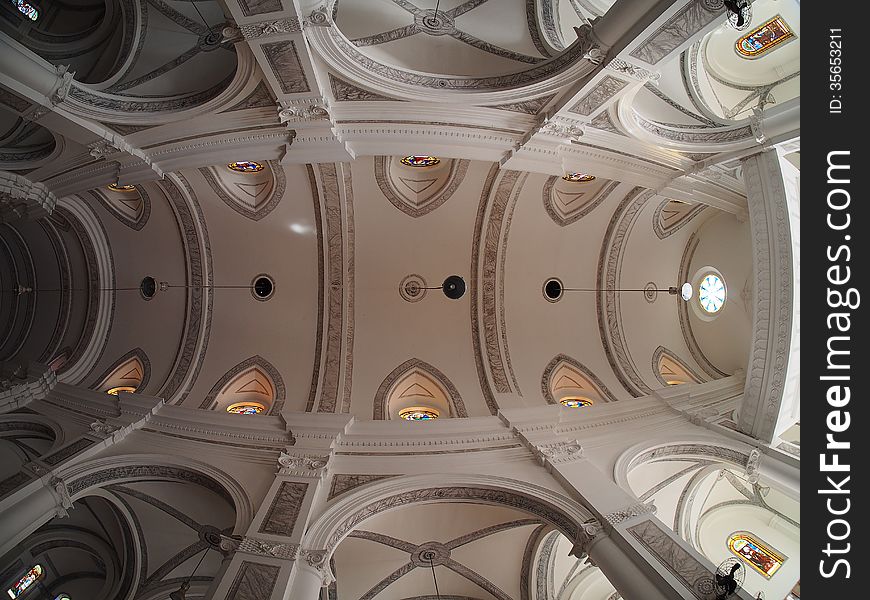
575 402
246 408
28 10
122 388
757 554
764 38
578 177
711 293
245 166
421 161
121 188
23 584
62 597
418 414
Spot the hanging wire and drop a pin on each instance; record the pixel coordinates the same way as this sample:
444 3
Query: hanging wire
432 565
201 17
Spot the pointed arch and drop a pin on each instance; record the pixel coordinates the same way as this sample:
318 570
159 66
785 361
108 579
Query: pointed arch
416 382
253 380
565 376
252 195
672 215
671 370
131 370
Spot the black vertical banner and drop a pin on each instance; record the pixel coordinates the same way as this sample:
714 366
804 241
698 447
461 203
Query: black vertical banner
834 255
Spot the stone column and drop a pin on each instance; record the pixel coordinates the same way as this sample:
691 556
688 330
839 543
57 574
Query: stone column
639 555
269 563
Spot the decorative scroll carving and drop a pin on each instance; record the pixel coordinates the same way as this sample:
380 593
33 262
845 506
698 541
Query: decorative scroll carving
102 428
752 464
630 512
268 28
590 532
560 452
310 465
267 548
306 111
676 559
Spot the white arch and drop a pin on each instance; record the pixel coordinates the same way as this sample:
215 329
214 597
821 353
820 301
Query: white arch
351 509
241 502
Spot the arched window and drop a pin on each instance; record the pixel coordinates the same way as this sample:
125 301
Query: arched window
765 38
417 391
671 370
22 585
130 373
756 553
572 385
252 387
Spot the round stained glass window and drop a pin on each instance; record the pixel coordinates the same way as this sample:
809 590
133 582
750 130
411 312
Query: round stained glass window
420 161
711 293
418 414
245 166
575 402
115 187
246 408
578 177
122 388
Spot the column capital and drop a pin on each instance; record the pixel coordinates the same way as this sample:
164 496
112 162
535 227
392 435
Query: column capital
302 463
560 452
316 561
588 535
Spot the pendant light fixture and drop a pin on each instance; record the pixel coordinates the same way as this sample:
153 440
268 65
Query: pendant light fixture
553 290
180 593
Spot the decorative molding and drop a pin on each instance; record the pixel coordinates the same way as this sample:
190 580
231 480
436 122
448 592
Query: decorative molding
68 451
343 91
679 561
302 465
772 296
607 305
685 23
630 512
300 111
606 88
254 581
109 204
284 512
260 97
528 107
262 29
587 535
268 548
199 301
342 483
558 453
21 198
216 181
526 503
583 48
752 464
283 58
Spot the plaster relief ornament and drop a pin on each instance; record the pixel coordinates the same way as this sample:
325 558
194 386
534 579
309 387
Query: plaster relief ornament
560 452
302 464
592 47
590 532
313 111
752 464
102 427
